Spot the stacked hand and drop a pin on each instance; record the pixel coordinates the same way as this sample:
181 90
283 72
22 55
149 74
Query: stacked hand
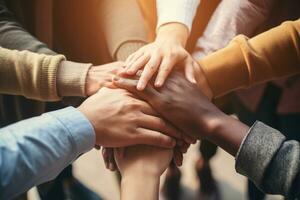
119 120
180 102
161 56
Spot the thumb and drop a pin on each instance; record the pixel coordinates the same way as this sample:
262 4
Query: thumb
154 138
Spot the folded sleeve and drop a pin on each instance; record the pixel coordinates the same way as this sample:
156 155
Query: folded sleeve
270 160
36 150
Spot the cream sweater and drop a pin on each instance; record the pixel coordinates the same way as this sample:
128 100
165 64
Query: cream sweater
180 11
40 76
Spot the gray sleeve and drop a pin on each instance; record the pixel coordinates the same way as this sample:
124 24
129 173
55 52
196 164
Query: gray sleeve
14 36
270 160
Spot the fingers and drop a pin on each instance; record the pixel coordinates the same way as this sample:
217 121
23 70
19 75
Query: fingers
149 70
189 71
153 138
164 71
158 124
138 64
184 147
108 157
133 57
178 157
130 85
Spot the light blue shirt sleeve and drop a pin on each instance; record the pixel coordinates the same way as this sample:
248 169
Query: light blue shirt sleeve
36 150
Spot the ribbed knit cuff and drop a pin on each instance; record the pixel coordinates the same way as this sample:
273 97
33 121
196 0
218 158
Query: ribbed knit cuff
71 79
127 48
47 82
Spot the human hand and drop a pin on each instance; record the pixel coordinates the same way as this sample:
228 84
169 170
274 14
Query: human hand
161 56
110 163
119 120
181 103
101 76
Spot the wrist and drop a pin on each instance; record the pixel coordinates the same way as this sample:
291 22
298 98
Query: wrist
135 187
228 133
175 32
71 78
141 170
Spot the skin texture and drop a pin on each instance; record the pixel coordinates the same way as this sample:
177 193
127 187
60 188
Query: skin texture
161 56
196 117
138 165
100 76
119 120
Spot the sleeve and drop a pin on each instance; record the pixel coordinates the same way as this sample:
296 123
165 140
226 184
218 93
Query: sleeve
246 62
14 36
29 74
70 80
181 11
229 20
271 161
36 150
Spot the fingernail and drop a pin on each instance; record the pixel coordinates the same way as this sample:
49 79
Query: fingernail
111 166
116 78
158 84
130 71
140 86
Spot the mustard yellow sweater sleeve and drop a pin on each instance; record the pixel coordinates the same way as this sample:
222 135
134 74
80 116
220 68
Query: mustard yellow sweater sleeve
246 62
39 76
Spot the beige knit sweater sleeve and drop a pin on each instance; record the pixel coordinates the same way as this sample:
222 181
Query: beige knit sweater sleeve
39 76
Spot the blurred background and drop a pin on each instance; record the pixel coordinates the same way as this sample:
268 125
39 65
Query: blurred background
90 169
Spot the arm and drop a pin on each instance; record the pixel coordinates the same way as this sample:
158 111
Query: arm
229 20
56 80
270 55
34 151
49 78
141 168
270 160
263 154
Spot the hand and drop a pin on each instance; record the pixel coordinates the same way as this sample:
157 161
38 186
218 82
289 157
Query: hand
181 103
160 56
100 76
121 120
110 163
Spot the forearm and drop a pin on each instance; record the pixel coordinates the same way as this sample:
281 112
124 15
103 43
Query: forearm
228 133
270 55
139 186
174 32
39 148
